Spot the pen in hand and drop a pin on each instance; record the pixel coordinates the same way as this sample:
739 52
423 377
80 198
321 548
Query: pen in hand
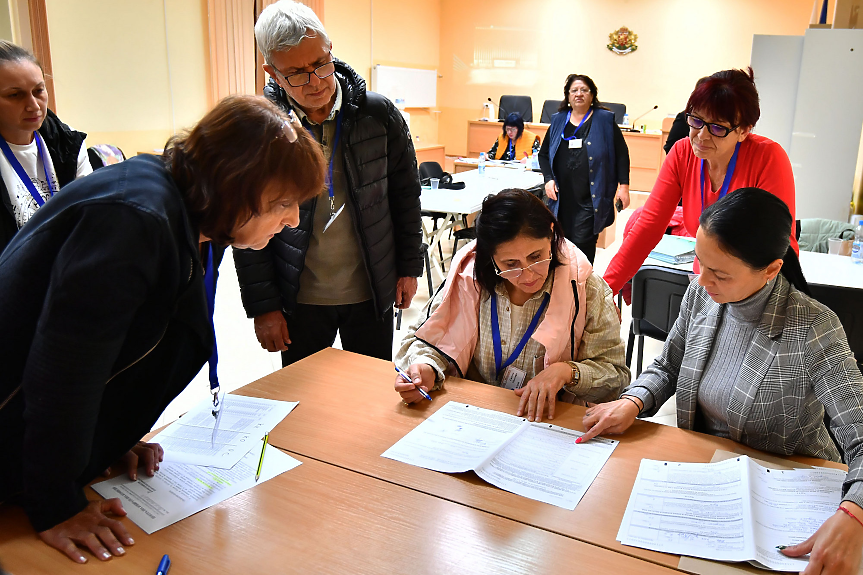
408 379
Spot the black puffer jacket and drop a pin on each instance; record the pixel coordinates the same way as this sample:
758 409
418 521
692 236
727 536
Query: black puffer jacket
63 144
381 170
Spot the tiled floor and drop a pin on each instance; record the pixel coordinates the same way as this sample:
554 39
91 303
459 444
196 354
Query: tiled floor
241 359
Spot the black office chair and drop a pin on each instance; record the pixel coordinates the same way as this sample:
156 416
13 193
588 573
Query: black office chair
465 234
618 109
102 155
549 109
845 303
656 296
433 170
425 252
519 104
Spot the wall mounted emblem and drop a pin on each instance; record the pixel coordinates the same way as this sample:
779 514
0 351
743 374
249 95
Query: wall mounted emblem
623 41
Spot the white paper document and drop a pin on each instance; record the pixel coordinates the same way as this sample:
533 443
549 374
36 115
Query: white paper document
535 460
178 490
733 510
242 423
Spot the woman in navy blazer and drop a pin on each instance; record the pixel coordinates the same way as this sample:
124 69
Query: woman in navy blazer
585 163
774 380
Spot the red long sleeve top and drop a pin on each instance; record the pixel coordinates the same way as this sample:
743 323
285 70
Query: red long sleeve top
761 163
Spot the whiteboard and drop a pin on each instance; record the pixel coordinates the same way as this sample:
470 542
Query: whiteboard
417 87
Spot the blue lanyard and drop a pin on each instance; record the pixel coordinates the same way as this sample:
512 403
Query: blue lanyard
511 150
568 114
728 174
495 334
332 155
210 285
19 169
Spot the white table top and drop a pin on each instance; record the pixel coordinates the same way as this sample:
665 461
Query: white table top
469 200
828 269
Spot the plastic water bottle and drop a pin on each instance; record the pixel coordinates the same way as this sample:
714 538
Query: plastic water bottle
534 161
857 247
626 120
481 165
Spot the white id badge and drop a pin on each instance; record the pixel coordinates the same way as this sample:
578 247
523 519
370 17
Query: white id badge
513 378
333 218
575 143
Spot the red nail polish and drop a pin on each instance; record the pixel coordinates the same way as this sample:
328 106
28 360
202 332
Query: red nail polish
578 440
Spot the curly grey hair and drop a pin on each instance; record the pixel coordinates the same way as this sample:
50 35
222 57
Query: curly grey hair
283 25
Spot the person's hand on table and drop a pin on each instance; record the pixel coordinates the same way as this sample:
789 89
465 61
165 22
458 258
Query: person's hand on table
551 190
835 549
272 331
623 195
612 417
422 375
146 455
93 529
541 392
406 289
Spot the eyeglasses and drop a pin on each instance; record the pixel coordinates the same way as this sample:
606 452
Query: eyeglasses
303 78
715 129
537 267
580 91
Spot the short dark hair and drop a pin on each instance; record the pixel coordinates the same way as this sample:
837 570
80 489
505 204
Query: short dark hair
727 96
503 217
591 85
754 226
514 120
10 52
225 164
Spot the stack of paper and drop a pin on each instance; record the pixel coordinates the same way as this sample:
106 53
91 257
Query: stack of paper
203 468
674 250
733 510
535 460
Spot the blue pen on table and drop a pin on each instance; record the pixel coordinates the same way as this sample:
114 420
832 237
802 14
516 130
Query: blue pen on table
408 379
164 566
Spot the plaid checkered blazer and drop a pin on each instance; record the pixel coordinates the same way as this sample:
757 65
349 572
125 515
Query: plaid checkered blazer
798 366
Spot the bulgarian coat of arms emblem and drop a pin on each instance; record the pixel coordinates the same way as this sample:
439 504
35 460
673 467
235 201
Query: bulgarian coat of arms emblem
623 41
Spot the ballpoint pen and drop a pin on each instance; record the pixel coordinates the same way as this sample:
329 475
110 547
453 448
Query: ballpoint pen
164 565
261 461
407 378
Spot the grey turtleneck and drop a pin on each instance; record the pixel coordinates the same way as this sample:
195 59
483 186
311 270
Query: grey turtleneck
732 341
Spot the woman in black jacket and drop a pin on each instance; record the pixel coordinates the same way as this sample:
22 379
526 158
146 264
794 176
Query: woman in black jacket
41 154
104 311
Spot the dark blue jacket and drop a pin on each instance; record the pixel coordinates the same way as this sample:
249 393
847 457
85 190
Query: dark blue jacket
601 159
104 321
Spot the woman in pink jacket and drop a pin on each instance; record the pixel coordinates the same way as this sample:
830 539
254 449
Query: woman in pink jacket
521 309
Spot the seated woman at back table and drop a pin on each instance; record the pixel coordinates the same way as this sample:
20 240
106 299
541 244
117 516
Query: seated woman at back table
106 302
521 309
515 142
753 358
720 155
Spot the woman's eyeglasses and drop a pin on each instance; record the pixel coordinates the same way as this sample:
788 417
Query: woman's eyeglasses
717 130
514 273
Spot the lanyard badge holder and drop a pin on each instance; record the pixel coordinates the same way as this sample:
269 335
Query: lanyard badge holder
218 398
498 352
573 141
333 212
22 174
729 173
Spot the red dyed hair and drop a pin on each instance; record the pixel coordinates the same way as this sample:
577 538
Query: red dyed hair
727 96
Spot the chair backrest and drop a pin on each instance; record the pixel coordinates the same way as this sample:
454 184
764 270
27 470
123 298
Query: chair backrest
549 109
656 296
618 109
519 104
845 303
430 170
102 155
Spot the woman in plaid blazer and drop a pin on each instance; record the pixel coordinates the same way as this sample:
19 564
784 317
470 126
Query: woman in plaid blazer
774 383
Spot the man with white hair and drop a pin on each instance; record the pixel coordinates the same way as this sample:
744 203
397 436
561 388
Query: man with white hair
356 251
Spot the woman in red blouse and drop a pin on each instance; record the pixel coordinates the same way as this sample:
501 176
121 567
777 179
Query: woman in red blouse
721 155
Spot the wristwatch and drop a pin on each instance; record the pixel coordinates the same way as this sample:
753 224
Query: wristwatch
576 374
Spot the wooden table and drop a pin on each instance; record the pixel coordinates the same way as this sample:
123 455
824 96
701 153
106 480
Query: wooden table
645 150
430 153
349 414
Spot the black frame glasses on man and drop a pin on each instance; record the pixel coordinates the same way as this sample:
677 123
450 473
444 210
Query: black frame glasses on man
717 130
302 78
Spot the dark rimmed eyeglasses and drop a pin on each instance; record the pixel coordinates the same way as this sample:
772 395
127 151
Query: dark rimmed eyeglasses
303 78
717 130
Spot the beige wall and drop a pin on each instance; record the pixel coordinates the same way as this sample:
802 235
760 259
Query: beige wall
679 41
111 68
